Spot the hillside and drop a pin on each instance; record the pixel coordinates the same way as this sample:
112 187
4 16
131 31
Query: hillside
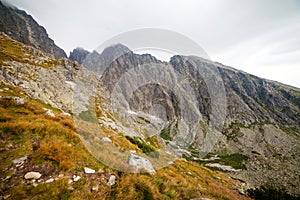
38 137
119 125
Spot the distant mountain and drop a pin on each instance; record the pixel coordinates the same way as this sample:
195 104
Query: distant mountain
79 55
22 27
262 120
96 61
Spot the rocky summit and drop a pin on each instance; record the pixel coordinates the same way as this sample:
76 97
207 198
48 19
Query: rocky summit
119 125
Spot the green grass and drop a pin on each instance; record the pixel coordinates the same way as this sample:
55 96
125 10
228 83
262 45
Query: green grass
232 132
89 116
146 148
15 51
291 130
236 160
270 192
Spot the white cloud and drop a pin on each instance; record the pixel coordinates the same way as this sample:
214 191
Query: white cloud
274 55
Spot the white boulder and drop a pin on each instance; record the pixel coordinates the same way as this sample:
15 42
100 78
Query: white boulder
32 175
111 180
140 163
106 139
88 170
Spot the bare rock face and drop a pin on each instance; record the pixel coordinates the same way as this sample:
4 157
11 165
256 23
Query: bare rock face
22 27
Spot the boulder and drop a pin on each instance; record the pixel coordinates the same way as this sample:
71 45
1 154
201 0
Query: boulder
49 180
49 112
20 161
111 180
141 164
95 188
32 175
76 178
106 139
88 170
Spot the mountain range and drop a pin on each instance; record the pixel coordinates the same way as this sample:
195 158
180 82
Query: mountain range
94 114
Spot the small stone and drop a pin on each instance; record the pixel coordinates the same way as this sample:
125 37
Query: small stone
106 139
35 184
66 114
171 163
6 197
111 180
88 170
20 161
95 188
76 178
8 177
70 181
49 112
32 175
70 188
19 100
60 176
49 180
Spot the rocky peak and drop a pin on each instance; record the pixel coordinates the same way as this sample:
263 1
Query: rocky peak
22 27
115 50
79 54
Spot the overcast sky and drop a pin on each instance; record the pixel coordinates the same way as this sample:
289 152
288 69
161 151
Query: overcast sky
261 37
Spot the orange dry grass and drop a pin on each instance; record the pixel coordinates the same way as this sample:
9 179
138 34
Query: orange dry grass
59 151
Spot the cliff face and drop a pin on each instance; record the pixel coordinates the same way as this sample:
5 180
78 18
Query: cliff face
262 116
250 99
22 27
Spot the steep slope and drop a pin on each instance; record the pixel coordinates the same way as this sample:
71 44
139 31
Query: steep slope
39 135
22 27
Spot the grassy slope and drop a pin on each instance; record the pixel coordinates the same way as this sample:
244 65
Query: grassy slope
53 147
